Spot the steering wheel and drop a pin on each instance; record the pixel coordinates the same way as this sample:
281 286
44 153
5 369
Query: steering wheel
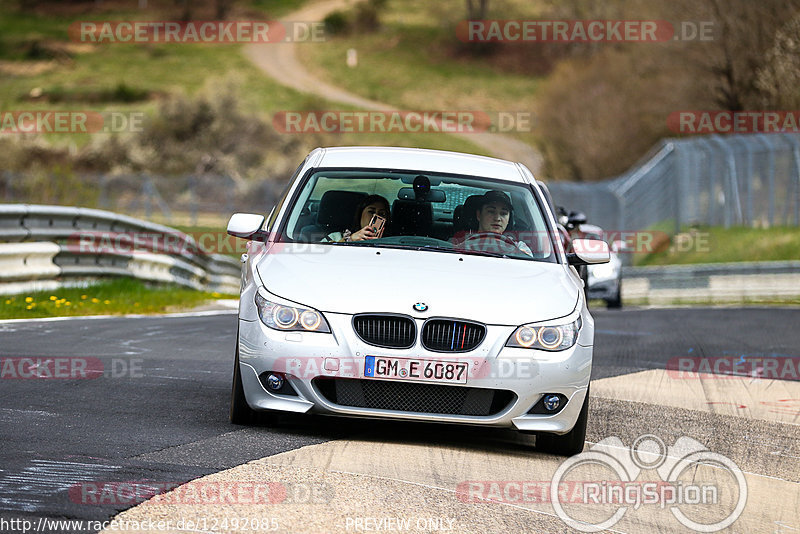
480 236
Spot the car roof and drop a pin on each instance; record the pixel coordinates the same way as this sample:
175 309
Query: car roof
419 159
590 229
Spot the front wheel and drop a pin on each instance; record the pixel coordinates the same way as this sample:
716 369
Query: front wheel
616 300
241 413
568 444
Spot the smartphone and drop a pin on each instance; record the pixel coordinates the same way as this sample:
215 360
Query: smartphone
378 223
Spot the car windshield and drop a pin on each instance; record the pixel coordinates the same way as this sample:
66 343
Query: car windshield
435 212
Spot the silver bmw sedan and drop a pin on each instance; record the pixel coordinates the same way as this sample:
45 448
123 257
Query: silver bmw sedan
415 284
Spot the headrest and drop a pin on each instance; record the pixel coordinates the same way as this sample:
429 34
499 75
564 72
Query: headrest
412 218
337 209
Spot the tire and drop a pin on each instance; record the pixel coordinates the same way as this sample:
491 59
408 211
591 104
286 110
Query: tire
568 444
241 413
583 272
616 302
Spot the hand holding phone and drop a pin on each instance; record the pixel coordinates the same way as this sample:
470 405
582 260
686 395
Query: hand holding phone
377 223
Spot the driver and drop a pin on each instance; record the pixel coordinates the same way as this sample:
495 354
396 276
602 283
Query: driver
493 215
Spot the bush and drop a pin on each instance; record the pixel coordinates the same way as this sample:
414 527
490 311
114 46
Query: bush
599 115
337 23
364 18
367 16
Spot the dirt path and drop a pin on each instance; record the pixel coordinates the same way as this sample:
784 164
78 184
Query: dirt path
279 61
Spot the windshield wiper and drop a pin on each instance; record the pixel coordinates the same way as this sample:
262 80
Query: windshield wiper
484 253
370 243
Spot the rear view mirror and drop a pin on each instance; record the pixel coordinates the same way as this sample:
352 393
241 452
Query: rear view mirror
435 195
245 225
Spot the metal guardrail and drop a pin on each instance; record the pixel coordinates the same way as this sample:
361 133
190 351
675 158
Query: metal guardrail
39 242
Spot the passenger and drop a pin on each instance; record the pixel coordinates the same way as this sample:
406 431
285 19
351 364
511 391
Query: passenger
493 214
360 229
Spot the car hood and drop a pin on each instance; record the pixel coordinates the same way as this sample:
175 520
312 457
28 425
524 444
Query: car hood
355 279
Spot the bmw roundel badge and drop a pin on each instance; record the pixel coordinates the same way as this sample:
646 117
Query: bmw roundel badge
420 306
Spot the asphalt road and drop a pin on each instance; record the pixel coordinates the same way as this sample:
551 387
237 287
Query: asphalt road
155 409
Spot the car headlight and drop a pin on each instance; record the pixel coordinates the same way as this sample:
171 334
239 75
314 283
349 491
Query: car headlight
289 318
546 337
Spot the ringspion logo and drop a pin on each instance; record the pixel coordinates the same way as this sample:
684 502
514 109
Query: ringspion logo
679 485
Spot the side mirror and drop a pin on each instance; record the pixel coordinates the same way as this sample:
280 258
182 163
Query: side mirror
589 252
577 218
245 225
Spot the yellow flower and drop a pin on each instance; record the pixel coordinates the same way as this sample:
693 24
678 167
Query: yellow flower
52 297
216 295
8 302
83 297
68 303
106 302
28 299
95 300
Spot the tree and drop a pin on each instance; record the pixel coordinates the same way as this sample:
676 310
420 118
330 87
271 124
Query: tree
477 9
779 78
743 34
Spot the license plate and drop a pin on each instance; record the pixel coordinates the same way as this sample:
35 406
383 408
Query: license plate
418 370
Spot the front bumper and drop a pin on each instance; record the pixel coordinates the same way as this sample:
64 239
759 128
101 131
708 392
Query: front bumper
303 357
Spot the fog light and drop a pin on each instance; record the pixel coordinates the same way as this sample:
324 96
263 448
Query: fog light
275 382
551 402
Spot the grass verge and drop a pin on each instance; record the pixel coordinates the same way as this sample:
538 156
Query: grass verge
746 302
415 62
725 245
115 297
153 70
